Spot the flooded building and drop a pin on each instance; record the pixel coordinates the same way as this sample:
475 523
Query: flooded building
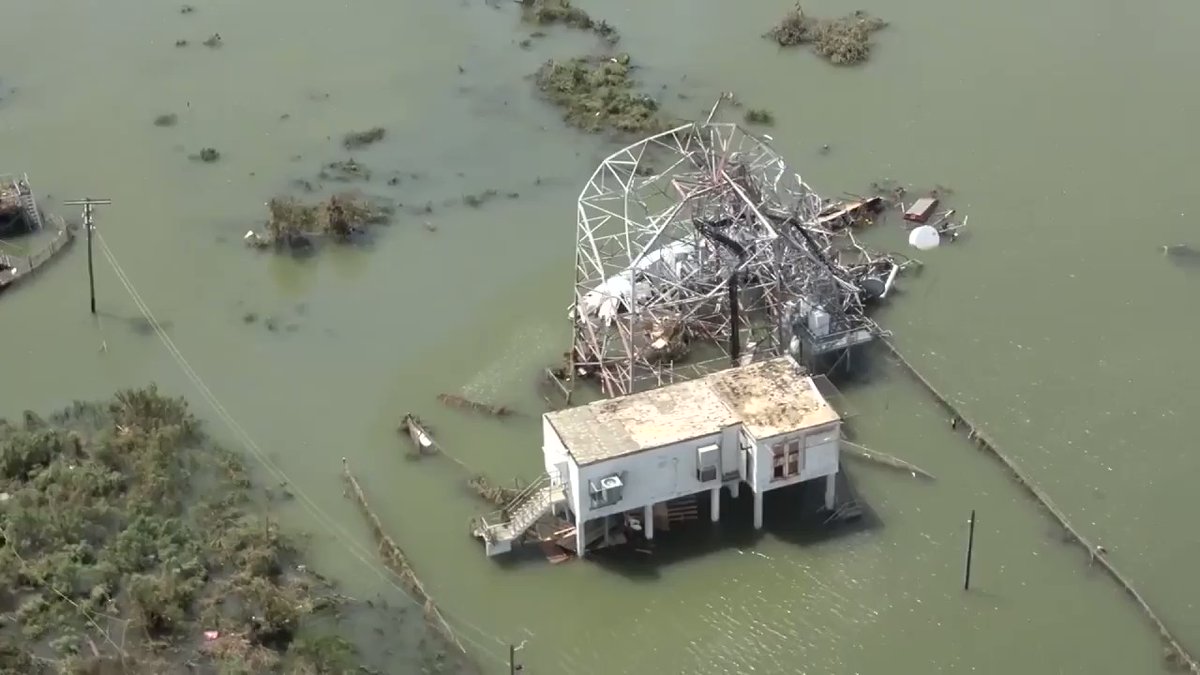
764 425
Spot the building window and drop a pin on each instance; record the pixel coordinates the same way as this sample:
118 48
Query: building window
787 460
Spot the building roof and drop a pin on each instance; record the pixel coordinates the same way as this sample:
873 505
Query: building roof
768 398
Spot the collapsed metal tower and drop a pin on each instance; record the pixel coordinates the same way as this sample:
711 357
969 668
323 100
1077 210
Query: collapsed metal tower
697 236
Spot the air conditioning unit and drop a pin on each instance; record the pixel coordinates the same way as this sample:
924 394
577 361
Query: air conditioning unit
706 473
611 483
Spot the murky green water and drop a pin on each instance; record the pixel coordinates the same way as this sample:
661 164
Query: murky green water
1064 130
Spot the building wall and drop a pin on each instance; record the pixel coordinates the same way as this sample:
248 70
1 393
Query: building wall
821 450
554 453
650 477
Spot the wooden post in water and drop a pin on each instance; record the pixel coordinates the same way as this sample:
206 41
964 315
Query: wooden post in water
87 204
970 550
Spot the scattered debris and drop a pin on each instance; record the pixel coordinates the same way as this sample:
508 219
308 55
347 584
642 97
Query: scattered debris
186 9
395 560
167 120
546 12
361 139
844 41
456 401
213 41
759 116
181 43
598 93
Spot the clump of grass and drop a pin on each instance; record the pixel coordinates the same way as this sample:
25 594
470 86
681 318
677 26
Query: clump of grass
759 116
167 120
361 139
844 41
599 94
214 41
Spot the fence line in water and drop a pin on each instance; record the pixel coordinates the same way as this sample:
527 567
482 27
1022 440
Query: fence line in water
1177 653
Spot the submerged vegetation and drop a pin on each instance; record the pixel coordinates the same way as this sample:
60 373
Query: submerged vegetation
598 94
130 543
361 139
546 12
844 41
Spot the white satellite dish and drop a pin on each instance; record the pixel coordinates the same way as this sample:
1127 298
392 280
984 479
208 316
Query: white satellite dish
924 238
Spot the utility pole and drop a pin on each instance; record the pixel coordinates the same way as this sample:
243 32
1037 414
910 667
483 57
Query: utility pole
970 550
87 204
513 666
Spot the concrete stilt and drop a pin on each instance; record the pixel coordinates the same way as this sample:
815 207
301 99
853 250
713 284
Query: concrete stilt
716 504
830 490
758 508
734 489
648 521
580 525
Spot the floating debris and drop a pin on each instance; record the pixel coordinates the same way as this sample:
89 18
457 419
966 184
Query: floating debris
361 139
884 459
495 494
598 93
167 120
213 41
844 41
456 401
395 560
422 440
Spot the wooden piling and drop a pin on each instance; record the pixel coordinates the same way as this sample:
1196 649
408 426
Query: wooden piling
960 421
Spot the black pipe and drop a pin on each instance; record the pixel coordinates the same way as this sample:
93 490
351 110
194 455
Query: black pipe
735 326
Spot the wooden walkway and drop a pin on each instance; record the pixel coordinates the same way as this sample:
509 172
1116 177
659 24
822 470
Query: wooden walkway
14 269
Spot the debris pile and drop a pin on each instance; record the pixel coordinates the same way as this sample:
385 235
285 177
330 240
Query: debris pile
598 94
720 248
294 224
463 403
844 41
495 494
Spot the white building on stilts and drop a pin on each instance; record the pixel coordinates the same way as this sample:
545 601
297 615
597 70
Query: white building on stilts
764 425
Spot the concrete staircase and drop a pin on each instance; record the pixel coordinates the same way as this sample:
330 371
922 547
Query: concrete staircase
500 530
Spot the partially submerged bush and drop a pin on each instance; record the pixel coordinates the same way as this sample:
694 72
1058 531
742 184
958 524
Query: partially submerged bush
598 94
843 41
295 223
759 116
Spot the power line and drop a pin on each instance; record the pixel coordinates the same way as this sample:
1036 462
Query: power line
330 524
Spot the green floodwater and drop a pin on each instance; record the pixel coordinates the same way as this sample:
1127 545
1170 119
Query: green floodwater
1064 129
